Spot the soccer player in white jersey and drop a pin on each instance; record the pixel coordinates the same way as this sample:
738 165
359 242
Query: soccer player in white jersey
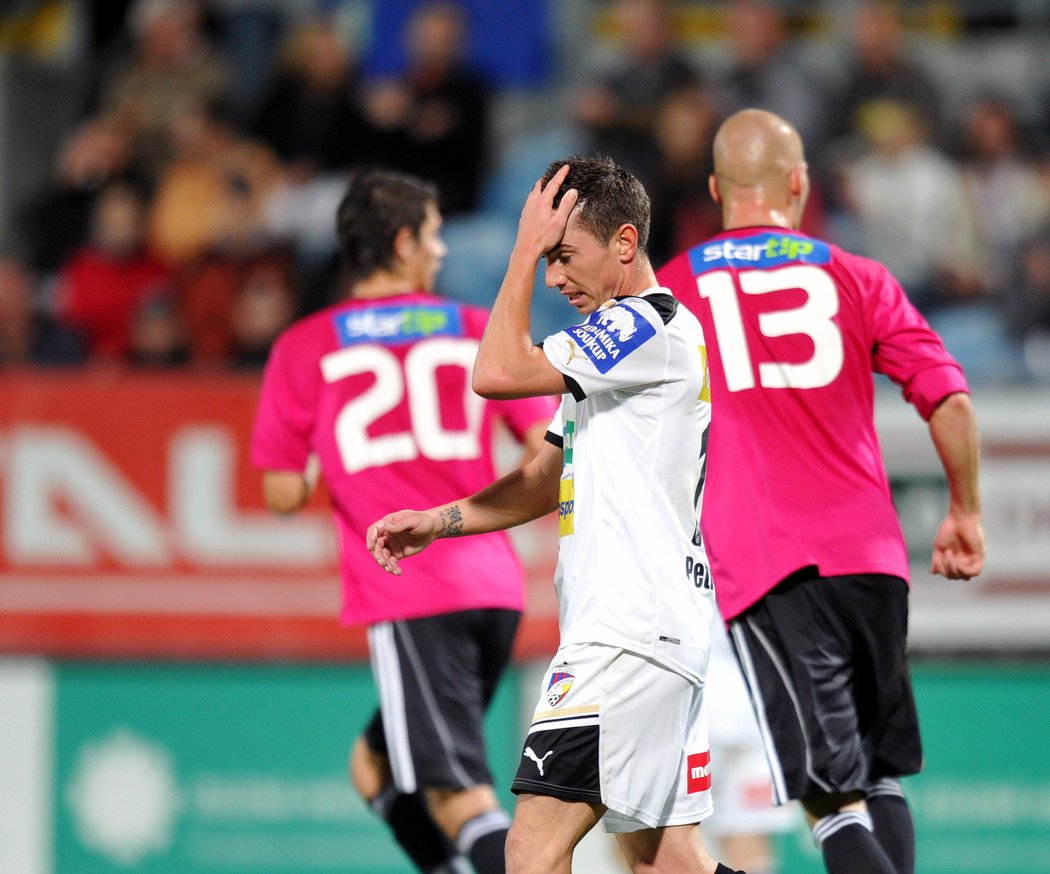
619 732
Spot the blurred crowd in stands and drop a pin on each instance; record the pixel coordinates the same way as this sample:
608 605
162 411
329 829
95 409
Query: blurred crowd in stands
189 217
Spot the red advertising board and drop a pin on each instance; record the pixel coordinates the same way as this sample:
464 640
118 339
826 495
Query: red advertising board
132 525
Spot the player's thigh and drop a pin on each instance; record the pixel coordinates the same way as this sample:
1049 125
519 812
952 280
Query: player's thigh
887 713
432 699
545 831
797 658
807 651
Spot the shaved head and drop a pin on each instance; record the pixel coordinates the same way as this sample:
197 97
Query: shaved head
760 165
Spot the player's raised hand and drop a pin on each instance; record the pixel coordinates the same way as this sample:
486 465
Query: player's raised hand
958 548
399 535
541 225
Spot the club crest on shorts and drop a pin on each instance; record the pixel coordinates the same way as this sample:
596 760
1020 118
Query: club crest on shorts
560 683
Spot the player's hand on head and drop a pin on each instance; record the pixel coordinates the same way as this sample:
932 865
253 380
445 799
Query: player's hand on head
541 226
397 536
958 548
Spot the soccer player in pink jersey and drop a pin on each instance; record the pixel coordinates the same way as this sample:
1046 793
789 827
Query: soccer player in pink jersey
378 388
806 551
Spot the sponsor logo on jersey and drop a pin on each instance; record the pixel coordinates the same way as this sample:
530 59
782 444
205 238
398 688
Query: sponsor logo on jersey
567 488
762 250
566 507
397 324
559 684
698 772
611 334
705 389
529 754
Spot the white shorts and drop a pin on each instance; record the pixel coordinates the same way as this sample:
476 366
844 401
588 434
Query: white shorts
617 729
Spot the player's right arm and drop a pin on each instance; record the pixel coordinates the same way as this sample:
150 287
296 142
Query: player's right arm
958 546
524 494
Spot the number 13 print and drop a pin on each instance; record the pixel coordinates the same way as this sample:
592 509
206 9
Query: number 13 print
813 318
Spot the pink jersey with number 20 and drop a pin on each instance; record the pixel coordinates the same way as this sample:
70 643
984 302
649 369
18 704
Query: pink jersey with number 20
380 391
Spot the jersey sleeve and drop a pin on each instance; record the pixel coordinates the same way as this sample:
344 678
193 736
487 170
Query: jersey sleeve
555 430
618 347
907 350
284 420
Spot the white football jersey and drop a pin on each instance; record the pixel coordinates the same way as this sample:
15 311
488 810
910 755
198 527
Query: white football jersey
632 571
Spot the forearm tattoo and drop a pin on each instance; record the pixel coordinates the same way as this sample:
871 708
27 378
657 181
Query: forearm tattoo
451 521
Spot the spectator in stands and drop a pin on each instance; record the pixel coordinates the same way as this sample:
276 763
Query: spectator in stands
899 191
684 129
158 335
57 222
105 282
768 71
1030 306
1004 191
309 115
879 66
172 62
28 334
265 304
435 121
224 324
213 194
618 111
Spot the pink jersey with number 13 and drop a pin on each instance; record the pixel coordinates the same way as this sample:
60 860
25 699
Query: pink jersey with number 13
795 327
380 391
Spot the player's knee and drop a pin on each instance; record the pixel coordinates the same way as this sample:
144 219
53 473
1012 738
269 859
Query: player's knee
369 770
452 808
825 804
523 854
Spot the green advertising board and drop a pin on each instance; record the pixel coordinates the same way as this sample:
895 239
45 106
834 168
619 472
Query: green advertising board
211 769
236 769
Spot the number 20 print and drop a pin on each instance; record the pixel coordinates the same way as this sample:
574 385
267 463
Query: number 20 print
427 436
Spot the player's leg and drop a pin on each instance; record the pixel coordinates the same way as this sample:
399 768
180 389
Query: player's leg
546 831
843 830
894 827
741 829
669 850
474 815
440 668
662 837
406 814
893 725
808 667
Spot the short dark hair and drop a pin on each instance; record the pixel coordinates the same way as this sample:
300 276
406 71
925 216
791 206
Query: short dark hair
610 196
377 205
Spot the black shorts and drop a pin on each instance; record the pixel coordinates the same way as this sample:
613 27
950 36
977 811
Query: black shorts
436 677
826 667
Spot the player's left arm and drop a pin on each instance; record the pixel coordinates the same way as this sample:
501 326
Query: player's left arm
288 491
958 546
509 364
524 494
